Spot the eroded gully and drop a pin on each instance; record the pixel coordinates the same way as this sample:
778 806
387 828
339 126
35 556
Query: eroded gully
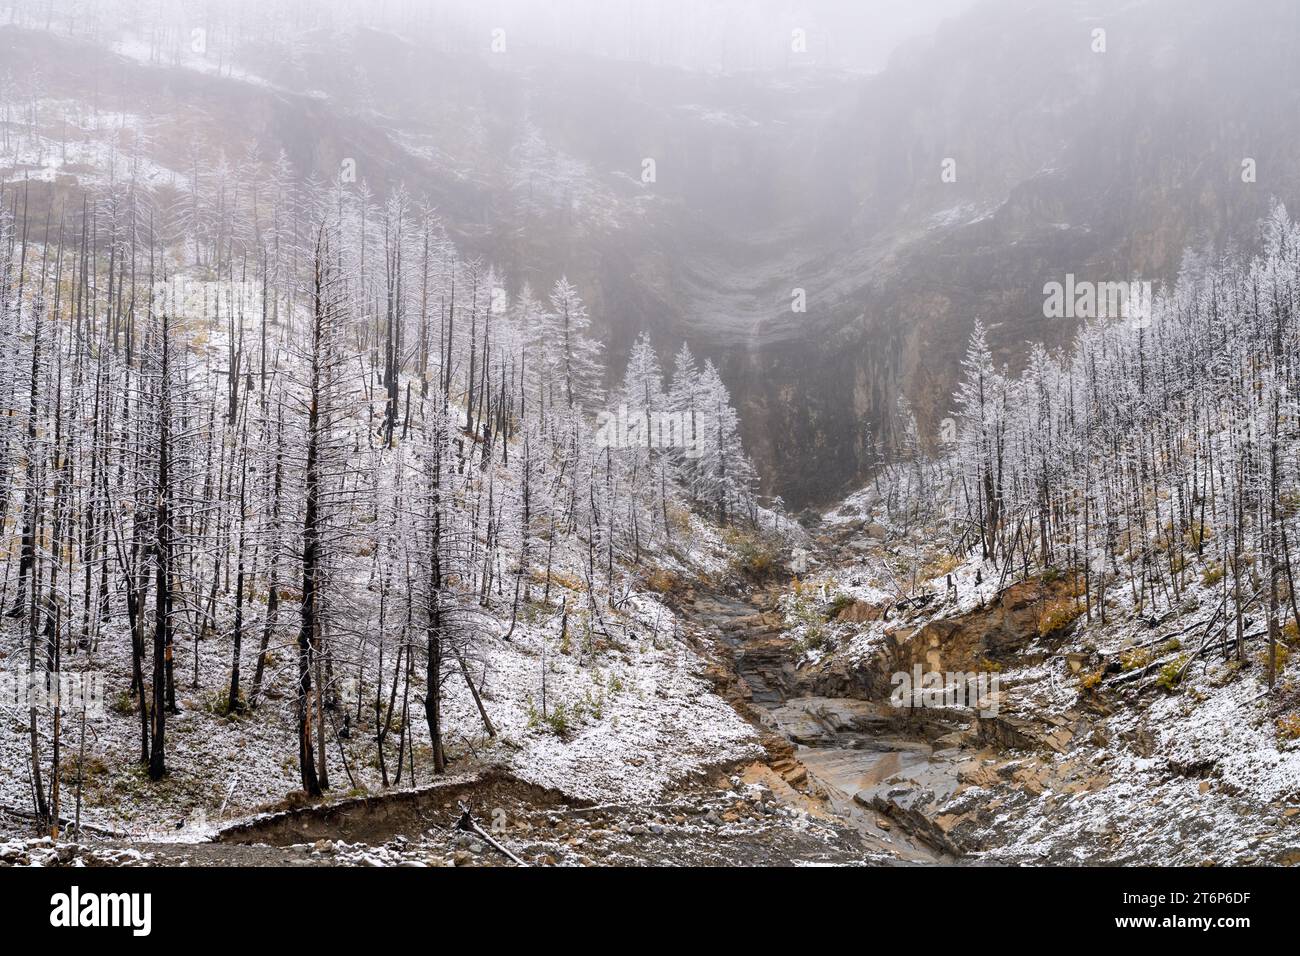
853 758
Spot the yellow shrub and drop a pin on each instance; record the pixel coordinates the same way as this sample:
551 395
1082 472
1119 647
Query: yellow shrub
1288 727
560 579
1135 658
944 565
1057 616
751 555
1171 674
679 518
662 581
1282 656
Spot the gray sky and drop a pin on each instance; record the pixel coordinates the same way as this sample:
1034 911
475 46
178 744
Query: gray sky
728 35
696 34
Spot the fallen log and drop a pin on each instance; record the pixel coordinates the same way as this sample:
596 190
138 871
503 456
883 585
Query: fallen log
466 823
69 826
1159 662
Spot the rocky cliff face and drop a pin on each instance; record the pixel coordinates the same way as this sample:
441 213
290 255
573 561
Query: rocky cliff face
1104 165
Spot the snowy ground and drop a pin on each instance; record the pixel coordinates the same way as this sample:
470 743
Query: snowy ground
725 821
624 719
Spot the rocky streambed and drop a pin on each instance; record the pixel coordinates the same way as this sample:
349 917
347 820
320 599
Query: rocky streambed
864 761
919 784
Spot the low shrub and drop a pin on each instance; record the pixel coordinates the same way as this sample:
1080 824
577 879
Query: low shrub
1057 616
1288 727
838 604
663 581
1282 656
1135 658
1171 674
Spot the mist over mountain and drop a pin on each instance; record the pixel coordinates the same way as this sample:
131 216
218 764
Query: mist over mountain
809 174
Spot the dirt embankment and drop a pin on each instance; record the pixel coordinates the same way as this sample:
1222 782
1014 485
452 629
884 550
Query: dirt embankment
993 637
374 819
747 818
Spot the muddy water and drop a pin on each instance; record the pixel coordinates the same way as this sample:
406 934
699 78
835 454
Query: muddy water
873 775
